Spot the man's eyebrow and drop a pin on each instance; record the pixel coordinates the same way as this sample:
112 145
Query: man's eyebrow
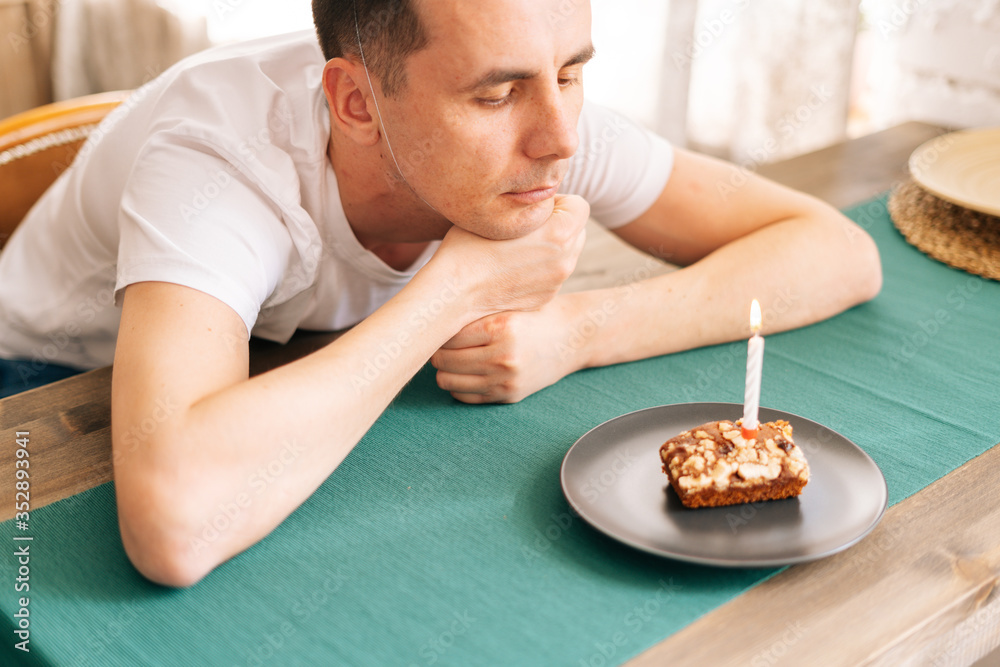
582 56
498 77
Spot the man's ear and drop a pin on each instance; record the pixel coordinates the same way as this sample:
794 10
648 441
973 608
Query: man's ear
348 94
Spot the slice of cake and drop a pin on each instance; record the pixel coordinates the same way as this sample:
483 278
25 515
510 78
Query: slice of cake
713 464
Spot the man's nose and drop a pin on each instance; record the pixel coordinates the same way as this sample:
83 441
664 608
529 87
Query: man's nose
553 130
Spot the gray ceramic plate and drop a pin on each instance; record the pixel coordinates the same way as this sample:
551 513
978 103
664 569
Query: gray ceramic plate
613 478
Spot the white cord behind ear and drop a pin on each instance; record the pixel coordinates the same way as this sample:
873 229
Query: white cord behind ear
378 111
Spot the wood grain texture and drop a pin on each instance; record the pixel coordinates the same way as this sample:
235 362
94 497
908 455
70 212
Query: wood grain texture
70 420
856 170
25 54
921 590
69 423
69 429
607 261
896 598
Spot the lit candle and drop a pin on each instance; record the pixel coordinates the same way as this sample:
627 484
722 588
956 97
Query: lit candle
755 363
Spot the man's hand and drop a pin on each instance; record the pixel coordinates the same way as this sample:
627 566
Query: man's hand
505 357
512 350
517 274
223 426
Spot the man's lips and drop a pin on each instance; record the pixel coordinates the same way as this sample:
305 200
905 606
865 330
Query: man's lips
533 195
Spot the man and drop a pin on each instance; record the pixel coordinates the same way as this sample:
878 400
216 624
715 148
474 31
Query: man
430 120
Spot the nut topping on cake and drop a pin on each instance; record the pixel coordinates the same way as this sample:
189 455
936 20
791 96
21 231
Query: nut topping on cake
713 464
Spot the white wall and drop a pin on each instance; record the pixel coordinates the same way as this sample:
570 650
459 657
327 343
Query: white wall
936 61
240 20
628 35
629 38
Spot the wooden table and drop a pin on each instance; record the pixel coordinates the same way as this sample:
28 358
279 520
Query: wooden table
921 589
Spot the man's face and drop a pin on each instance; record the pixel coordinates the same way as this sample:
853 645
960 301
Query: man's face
487 120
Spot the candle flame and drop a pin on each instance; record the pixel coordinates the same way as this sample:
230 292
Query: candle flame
755 317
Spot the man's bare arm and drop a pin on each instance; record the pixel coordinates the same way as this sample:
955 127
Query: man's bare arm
191 433
802 259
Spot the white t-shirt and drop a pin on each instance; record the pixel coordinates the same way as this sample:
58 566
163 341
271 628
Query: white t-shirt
215 176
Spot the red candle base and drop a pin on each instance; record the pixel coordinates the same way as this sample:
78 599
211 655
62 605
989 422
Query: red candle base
748 433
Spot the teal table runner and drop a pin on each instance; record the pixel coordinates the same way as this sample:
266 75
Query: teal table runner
444 538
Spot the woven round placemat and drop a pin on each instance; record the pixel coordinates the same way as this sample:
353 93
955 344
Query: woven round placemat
957 236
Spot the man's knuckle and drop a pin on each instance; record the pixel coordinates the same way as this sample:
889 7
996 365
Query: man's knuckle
566 268
497 326
506 363
510 387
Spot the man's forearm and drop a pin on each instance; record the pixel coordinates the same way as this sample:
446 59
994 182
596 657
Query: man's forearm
245 457
802 270
234 456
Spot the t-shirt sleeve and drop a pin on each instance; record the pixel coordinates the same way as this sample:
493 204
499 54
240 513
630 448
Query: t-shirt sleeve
620 168
190 217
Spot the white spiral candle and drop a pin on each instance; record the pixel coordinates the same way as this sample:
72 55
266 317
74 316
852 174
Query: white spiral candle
755 365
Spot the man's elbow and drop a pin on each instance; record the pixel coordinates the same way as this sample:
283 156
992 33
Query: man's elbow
159 539
866 268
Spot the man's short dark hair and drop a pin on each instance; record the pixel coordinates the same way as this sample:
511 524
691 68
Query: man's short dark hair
390 31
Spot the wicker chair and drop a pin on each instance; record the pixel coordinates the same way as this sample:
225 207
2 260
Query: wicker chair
38 145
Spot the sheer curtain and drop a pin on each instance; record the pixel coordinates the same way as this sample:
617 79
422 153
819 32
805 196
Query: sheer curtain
936 60
119 44
749 80
773 79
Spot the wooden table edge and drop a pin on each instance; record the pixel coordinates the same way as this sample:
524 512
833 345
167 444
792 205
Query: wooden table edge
807 610
731 633
69 409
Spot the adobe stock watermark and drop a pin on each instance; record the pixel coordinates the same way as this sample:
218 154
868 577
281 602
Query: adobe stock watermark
732 356
740 516
273 641
709 32
605 651
410 162
222 8
787 126
928 328
563 11
968 632
597 485
794 631
557 526
928 157
164 408
872 212
877 547
743 514
437 646
42 14
865 217
231 511
100 640
897 18
421 318
597 317
428 485
375 21
301 276
599 144
149 83
248 150
67 336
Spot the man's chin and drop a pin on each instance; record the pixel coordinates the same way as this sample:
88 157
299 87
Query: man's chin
506 223
524 221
